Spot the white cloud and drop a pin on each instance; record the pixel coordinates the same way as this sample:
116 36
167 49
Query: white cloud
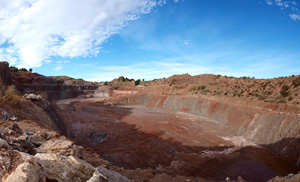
269 2
291 6
32 31
57 68
295 17
152 70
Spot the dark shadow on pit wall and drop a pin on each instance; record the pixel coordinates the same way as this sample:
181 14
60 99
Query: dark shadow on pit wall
124 145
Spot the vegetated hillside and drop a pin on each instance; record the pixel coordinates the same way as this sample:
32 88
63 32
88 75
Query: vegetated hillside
275 90
123 83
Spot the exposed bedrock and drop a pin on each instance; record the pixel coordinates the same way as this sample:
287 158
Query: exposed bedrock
54 87
275 126
4 75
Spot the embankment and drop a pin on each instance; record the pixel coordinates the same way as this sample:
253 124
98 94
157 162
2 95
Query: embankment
274 126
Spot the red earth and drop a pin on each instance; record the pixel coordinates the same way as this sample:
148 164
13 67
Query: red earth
174 143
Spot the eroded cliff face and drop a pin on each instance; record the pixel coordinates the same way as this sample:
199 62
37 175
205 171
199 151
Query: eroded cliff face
53 88
4 75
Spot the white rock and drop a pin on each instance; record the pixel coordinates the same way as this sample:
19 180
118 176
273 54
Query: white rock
19 167
30 170
65 168
62 147
103 174
32 97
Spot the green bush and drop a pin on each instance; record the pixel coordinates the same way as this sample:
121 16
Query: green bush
285 90
23 69
137 82
14 69
196 87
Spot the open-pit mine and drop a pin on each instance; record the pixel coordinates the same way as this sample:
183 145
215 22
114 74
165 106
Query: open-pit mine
166 131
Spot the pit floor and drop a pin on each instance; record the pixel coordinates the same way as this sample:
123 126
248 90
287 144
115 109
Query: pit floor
175 143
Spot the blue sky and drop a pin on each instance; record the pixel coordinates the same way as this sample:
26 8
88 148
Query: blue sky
101 40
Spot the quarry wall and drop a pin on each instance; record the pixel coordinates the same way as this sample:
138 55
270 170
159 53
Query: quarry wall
274 126
4 75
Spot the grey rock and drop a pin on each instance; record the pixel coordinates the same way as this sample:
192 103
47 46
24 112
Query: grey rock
39 138
102 174
65 168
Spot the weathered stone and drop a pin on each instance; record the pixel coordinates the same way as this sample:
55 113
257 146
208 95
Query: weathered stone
102 174
29 132
65 168
32 97
19 167
39 138
14 118
30 170
4 75
13 130
62 147
17 140
22 143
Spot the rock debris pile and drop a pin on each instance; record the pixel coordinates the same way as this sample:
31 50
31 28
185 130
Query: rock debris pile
38 156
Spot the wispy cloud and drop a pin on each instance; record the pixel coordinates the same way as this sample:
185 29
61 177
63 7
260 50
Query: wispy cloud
291 6
34 30
258 64
295 16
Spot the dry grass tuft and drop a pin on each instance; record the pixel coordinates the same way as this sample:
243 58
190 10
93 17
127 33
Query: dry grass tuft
12 95
196 87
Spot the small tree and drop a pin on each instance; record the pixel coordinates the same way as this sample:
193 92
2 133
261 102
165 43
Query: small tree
137 82
23 69
14 69
30 70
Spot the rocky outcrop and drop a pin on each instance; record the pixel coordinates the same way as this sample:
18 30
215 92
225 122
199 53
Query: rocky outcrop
19 167
30 169
39 138
52 87
61 147
4 75
65 168
17 140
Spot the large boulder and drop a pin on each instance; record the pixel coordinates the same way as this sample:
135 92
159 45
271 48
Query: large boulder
19 167
62 147
4 75
102 174
65 168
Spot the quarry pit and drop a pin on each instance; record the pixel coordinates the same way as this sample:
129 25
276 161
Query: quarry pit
187 136
164 132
